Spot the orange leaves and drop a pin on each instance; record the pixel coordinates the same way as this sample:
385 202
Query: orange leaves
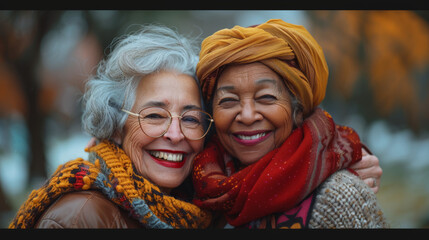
397 47
389 49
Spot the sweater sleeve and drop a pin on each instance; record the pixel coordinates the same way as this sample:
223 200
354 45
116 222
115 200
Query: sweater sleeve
345 201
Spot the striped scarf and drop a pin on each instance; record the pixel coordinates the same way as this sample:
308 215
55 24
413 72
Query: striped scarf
111 171
282 178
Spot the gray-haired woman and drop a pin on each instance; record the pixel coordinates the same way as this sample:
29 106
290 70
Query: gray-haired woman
144 106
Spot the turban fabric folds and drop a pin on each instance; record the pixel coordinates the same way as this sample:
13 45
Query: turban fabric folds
276 44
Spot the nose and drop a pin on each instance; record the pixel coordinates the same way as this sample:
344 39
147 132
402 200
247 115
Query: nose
174 133
248 113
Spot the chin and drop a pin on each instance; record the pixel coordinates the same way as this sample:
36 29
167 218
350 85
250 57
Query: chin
170 183
248 160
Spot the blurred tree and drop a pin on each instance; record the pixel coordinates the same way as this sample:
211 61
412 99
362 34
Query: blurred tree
378 61
29 89
21 34
4 204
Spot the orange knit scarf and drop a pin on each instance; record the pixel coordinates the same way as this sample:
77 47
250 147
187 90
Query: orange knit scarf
112 173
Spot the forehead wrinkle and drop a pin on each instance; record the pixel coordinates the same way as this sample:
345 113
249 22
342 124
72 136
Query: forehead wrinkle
258 82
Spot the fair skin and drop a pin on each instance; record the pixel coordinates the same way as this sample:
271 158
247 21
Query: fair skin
252 113
176 93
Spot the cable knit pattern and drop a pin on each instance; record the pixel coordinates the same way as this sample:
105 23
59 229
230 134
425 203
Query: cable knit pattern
345 201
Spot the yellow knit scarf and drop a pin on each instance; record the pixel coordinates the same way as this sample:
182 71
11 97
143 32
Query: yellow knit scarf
111 171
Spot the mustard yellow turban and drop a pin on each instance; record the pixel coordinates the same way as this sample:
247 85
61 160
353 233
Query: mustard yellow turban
276 44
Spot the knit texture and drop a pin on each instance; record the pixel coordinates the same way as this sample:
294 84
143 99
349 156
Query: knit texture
345 201
111 171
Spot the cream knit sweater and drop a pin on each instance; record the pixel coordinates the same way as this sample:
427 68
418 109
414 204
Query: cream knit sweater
345 201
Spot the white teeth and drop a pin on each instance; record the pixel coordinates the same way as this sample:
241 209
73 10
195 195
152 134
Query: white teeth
259 135
174 157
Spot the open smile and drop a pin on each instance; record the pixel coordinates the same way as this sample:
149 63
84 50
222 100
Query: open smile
251 138
168 158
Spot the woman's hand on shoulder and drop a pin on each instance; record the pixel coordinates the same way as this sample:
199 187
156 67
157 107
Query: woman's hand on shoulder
369 170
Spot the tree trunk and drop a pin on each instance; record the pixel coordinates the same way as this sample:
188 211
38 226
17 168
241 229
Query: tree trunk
27 74
4 203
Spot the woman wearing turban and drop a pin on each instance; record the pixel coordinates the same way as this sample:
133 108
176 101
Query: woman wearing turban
275 156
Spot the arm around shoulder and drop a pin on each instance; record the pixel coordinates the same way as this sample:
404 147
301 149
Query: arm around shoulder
345 201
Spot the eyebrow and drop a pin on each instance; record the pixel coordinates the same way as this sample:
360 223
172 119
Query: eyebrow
154 104
191 106
164 105
225 88
262 81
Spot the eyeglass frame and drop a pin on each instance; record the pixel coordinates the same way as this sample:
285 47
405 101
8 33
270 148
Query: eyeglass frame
211 120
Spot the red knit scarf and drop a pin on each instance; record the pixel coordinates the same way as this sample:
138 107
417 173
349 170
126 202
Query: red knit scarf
279 180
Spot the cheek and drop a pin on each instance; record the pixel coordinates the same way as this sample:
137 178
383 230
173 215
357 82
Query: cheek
133 141
197 146
131 133
281 118
223 118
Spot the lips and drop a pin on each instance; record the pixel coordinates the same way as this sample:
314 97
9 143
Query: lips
168 158
251 138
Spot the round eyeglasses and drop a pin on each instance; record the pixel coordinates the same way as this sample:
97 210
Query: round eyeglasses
155 121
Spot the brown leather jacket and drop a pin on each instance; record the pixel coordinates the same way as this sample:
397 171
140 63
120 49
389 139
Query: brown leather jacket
86 209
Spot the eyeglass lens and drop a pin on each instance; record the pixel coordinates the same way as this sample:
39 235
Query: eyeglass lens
155 122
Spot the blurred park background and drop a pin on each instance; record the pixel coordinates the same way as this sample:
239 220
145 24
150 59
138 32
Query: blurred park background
378 84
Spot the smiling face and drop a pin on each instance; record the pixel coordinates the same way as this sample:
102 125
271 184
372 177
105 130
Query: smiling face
166 160
252 111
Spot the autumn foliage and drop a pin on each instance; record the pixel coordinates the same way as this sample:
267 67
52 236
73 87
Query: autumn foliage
387 51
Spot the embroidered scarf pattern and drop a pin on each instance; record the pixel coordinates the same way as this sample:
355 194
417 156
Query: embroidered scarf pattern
279 180
113 174
295 218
